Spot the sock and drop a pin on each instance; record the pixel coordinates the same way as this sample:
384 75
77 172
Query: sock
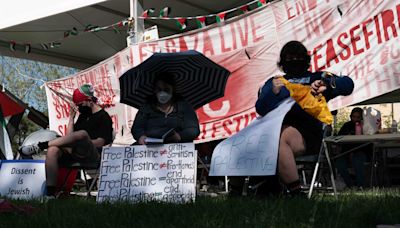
51 190
43 145
294 186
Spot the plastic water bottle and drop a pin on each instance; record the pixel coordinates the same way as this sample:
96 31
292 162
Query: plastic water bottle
358 128
394 126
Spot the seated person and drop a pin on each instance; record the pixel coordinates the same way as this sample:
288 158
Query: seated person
300 133
164 111
357 158
83 141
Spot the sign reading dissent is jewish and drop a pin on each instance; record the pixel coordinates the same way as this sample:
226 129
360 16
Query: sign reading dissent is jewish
148 173
22 179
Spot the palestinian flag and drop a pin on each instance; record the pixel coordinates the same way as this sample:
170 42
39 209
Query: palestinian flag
220 17
181 23
201 22
148 12
5 145
165 12
261 3
244 9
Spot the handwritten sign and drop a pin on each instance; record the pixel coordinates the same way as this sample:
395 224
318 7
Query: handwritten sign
148 173
22 179
254 150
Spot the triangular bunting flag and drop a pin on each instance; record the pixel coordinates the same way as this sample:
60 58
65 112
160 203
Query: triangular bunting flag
55 44
66 34
165 12
147 12
27 48
244 8
5 144
201 22
74 31
12 45
220 17
90 27
44 46
261 3
181 22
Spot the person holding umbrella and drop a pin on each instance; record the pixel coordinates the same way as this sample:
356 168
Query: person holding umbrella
167 88
166 115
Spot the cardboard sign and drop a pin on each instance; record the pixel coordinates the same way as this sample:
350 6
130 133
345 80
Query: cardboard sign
22 179
148 173
254 150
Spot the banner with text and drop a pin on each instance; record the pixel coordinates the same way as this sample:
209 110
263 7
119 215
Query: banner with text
358 38
22 179
148 173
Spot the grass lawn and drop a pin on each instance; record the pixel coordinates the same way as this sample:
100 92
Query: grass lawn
351 209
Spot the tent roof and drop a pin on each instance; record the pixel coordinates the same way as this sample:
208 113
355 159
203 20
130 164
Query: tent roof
87 49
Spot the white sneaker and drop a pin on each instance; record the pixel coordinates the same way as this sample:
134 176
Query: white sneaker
29 150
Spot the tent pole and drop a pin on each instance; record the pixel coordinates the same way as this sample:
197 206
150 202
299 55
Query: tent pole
133 15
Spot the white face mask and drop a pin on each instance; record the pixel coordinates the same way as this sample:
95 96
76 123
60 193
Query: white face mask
163 97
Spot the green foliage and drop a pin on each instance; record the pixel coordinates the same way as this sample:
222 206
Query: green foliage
342 117
25 79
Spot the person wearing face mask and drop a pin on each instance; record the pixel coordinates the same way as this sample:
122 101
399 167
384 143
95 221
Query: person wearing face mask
300 132
83 140
164 112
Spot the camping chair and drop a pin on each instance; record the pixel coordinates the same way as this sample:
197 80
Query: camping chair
84 167
317 162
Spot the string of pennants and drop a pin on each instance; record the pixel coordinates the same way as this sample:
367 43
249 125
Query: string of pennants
148 14
181 22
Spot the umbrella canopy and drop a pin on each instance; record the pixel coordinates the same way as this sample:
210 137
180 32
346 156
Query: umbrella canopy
198 79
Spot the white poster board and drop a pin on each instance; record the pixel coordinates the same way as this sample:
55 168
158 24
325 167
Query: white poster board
22 179
165 172
254 150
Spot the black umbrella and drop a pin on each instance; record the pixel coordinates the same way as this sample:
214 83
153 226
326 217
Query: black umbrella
198 79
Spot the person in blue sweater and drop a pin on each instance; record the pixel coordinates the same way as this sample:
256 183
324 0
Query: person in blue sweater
300 133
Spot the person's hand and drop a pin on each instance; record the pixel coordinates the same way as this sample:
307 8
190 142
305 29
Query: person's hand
317 87
142 140
72 112
277 84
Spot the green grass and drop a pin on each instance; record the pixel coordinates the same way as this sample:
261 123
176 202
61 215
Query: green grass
351 209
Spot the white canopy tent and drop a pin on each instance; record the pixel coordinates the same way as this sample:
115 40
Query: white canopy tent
47 20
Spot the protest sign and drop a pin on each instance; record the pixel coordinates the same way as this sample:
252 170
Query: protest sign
254 150
22 179
148 173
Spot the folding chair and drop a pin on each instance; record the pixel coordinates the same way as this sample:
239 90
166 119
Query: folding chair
84 167
317 161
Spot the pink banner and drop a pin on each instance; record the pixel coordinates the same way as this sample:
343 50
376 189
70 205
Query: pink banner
358 38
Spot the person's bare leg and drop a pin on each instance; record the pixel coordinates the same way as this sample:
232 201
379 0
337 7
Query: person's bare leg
291 144
51 164
70 139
